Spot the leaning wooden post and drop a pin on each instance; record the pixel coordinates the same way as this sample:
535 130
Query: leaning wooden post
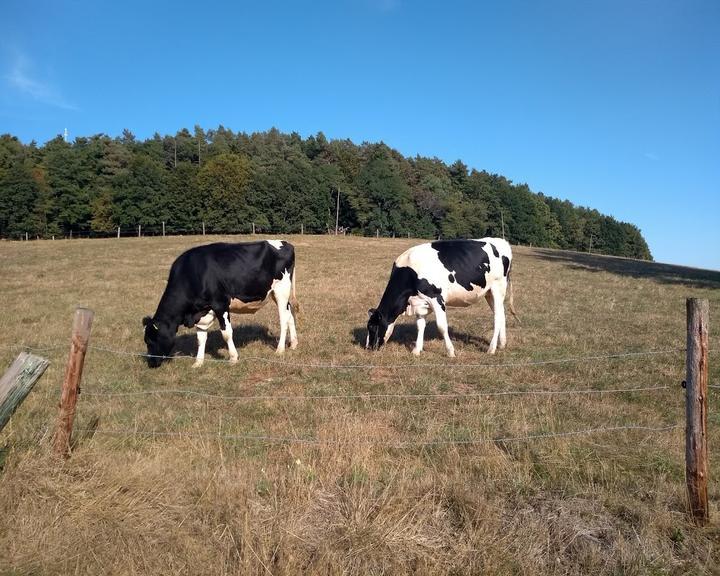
696 408
17 382
71 383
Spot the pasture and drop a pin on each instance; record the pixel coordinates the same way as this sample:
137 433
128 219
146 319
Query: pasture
382 464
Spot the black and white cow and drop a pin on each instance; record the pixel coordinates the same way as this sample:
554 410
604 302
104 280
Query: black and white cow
208 282
431 276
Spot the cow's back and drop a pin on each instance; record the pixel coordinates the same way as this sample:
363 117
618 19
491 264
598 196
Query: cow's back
463 269
242 271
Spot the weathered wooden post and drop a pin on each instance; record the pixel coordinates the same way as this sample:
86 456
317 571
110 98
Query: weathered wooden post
71 384
118 233
203 228
17 382
696 408
253 227
163 228
138 230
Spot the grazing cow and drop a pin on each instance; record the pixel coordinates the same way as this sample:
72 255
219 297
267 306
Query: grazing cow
431 276
208 282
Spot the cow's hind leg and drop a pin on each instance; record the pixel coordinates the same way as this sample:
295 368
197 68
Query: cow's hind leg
281 294
202 327
498 307
420 322
292 329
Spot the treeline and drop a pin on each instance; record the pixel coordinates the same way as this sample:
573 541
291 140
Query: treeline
279 182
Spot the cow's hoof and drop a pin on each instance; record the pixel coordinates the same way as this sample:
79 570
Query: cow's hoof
417 351
197 364
233 360
451 353
491 350
293 345
280 351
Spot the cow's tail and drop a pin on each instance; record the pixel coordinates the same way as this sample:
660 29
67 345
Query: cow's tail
510 295
294 304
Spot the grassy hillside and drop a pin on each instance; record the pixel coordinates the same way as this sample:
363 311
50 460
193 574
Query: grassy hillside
165 478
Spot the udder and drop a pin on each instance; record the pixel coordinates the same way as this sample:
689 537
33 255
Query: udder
240 307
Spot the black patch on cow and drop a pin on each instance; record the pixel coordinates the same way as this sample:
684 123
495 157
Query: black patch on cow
441 301
506 265
451 277
403 284
495 250
467 258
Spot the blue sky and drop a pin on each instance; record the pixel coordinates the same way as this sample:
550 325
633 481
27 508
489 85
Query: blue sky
609 104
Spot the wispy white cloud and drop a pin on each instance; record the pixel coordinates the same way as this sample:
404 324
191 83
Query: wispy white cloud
22 80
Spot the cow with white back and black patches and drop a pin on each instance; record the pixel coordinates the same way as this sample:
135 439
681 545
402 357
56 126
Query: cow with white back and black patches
207 283
448 273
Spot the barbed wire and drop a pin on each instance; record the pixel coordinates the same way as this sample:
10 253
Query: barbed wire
257 398
332 366
387 444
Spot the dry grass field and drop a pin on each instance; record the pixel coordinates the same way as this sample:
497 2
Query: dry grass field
249 475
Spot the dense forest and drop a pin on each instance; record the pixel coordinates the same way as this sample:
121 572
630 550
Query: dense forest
228 182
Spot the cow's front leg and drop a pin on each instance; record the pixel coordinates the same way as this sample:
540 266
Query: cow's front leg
442 324
227 333
202 327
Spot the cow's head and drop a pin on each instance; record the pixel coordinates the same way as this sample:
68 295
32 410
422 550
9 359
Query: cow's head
160 340
377 328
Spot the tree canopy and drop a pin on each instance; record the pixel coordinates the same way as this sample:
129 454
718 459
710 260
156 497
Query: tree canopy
278 182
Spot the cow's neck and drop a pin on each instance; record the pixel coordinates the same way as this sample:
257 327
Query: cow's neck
171 309
397 293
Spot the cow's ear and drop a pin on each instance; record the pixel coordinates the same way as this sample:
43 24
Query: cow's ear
371 311
146 320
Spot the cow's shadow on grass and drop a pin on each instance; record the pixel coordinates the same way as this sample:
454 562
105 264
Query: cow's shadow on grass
243 335
659 272
405 334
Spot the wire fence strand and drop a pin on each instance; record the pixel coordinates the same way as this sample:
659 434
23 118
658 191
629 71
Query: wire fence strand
368 441
283 398
332 366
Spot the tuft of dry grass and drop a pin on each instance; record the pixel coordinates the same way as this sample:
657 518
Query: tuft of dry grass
171 484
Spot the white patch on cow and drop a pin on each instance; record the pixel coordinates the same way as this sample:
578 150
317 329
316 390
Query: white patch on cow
277 244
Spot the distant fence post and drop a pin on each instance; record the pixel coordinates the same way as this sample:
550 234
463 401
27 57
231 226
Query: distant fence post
118 232
17 382
163 228
71 384
138 230
203 228
696 408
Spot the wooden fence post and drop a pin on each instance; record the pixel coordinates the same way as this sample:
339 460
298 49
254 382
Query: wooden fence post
17 382
71 383
696 408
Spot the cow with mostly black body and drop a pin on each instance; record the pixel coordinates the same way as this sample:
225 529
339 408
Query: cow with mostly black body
432 276
208 282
